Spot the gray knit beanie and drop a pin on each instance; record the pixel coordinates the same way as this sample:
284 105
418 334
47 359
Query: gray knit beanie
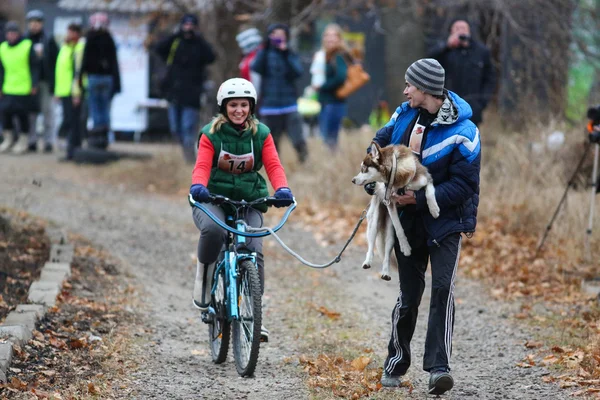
248 40
427 75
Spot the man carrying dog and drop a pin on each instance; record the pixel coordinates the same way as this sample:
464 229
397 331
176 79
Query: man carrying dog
435 124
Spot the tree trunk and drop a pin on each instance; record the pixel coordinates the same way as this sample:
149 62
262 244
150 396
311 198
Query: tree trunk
534 58
404 44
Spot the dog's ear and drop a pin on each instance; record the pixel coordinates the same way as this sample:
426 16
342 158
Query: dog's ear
375 150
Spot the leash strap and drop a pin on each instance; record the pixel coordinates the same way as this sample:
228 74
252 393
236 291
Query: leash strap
337 259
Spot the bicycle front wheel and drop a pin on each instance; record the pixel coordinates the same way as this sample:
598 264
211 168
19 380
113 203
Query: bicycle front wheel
246 329
219 327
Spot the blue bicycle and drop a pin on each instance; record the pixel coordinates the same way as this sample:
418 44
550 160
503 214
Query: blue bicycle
236 301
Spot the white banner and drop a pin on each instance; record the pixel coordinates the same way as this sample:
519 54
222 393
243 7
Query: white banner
134 67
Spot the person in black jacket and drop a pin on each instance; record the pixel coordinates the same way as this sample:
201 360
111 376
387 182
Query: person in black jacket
101 66
187 54
469 70
46 50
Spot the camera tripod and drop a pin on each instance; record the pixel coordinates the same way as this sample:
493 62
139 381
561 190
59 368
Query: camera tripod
594 189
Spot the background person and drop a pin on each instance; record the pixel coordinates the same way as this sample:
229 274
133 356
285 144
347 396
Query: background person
46 50
280 68
187 54
333 109
19 79
469 70
67 88
101 66
249 41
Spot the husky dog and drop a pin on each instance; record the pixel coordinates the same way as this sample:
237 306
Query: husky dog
392 168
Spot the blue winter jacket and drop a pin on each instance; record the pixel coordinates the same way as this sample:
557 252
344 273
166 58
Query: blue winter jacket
451 151
279 71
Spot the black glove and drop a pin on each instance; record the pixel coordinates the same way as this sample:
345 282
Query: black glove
370 188
594 137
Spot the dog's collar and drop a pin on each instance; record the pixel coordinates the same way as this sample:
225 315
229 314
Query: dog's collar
388 189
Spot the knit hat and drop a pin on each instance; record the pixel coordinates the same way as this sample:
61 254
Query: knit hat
187 18
248 40
12 26
278 25
427 75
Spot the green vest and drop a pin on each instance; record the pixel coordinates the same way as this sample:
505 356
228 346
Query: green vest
249 185
17 75
65 68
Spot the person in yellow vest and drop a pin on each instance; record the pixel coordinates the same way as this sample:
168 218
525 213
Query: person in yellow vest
19 77
67 88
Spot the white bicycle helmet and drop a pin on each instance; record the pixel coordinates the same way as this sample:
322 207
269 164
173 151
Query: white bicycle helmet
236 88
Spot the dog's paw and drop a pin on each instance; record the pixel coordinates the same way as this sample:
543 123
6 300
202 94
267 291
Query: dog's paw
366 266
386 277
435 211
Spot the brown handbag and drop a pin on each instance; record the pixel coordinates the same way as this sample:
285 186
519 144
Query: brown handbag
356 78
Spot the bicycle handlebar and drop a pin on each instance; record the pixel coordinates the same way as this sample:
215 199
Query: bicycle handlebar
218 199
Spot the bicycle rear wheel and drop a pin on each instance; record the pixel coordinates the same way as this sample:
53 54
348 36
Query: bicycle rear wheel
219 329
246 330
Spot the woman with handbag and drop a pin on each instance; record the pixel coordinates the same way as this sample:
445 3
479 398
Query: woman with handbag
333 108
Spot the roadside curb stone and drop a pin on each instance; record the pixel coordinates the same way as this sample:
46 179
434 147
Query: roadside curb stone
19 324
61 253
6 353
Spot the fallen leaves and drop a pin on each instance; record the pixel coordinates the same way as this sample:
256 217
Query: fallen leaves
352 379
326 312
79 347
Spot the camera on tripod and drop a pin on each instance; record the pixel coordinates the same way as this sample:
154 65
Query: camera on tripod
593 115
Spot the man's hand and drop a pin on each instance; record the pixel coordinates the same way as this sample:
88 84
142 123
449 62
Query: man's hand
76 101
407 198
34 91
453 41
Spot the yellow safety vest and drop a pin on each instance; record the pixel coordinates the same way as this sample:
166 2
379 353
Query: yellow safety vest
66 61
17 74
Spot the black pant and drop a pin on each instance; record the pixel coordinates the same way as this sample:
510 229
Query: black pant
72 124
438 342
290 123
8 122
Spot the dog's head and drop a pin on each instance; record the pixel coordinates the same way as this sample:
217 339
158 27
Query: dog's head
370 168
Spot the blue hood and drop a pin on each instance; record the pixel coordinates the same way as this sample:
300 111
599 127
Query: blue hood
463 108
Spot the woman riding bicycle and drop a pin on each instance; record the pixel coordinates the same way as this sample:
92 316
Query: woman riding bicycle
232 148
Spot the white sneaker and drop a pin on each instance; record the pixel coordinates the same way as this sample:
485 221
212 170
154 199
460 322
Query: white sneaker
264 334
21 145
7 143
201 294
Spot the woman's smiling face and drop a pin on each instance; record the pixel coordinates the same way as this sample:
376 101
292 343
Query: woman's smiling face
238 110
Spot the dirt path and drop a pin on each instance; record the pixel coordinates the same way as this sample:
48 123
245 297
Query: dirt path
155 238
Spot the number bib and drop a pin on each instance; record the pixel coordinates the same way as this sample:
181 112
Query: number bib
234 163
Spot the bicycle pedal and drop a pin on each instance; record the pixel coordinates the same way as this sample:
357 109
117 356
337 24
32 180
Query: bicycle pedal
207 317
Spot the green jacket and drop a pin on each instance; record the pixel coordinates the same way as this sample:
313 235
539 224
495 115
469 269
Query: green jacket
237 160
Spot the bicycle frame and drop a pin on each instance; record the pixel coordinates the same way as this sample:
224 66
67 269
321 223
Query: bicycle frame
232 256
